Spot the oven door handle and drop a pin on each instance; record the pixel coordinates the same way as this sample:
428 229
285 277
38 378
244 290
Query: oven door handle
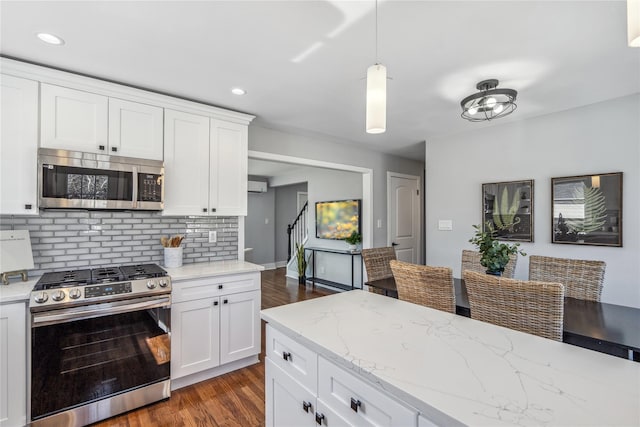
98 310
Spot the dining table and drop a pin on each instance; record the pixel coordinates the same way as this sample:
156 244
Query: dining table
607 328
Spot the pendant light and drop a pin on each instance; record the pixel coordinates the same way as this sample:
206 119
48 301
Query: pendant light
633 22
376 93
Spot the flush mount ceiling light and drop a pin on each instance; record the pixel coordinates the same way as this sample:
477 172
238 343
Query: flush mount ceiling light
376 93
633 22
490 103
238 91
50 38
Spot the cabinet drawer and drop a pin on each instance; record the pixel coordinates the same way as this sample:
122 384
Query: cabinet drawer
300 363
358 402
287 403
189 290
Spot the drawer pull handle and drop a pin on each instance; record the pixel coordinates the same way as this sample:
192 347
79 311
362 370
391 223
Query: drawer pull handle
101 147
219 286
319 418
355 404
286 355
225 301
215 303
204 209
306 406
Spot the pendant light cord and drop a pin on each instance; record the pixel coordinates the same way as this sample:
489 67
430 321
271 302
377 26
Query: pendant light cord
376 31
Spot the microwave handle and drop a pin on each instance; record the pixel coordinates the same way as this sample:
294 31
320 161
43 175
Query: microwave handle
135 187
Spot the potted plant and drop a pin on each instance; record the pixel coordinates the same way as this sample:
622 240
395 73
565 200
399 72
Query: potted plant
302 264
353 240
494 255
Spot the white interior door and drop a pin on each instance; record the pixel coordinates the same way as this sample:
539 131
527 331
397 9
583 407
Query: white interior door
403 213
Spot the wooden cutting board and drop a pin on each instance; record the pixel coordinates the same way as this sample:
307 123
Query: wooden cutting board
15 251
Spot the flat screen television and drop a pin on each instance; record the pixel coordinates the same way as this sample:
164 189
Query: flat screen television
337 219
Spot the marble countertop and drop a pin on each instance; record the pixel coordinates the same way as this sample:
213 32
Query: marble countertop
210 269
16 290
449 366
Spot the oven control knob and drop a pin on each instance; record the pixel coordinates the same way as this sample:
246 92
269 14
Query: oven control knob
75 293
163 283
41 297
151 284
58 295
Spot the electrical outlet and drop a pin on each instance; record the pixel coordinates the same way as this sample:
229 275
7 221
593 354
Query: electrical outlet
213 236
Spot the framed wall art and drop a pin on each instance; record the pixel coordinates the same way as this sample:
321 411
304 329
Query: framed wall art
508 208
587 209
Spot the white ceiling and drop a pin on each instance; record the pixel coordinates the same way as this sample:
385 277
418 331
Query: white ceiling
303 63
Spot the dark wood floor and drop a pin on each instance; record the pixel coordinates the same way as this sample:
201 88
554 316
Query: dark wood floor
233 399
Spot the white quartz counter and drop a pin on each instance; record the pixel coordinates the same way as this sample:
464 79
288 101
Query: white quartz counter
16 290
474 372
210 269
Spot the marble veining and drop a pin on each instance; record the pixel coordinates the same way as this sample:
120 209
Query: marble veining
470 371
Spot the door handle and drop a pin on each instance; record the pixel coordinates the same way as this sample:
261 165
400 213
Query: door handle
394 244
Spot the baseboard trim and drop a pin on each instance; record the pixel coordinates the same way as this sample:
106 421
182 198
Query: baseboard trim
280 264
269 266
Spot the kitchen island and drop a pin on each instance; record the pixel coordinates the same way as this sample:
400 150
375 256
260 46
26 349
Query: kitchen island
441 369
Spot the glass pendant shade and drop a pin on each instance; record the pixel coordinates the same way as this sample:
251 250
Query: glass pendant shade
633 22
376 99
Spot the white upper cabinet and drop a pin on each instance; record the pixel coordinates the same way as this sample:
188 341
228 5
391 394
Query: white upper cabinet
135 130
82 121
73 119
186 164
229 164
18 146
205 165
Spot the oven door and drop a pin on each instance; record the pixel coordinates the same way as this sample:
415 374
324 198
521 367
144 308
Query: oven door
85 355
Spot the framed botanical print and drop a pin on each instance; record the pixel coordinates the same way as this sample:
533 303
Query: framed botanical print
507 207
587 209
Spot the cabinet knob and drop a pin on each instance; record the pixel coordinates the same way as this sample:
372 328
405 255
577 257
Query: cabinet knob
319 418
204 210
306 406
225 301
219 286
101 147
355 404
213 209
114 149
215 303
286 355
28 206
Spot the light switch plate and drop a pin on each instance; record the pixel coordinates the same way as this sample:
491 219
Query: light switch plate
445 225
213 236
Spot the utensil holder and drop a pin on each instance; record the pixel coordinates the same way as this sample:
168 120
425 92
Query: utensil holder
173 257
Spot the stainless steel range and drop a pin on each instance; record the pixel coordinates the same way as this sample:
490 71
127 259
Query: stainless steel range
100 343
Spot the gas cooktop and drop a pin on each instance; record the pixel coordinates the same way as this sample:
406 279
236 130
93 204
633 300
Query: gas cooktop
92 286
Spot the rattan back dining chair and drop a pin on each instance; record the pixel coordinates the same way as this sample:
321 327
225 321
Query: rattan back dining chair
376 262
527 306
582 279
471 261
425 285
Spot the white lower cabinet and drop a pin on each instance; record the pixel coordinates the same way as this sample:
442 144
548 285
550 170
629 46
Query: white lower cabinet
13 365
214 322
298 380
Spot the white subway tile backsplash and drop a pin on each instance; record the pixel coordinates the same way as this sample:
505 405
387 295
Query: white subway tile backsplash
64 240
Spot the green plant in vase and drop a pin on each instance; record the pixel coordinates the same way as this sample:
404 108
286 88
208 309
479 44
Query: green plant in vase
302 264
353 240
494 255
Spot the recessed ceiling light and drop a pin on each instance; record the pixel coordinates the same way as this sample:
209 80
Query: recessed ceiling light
238 91
50 38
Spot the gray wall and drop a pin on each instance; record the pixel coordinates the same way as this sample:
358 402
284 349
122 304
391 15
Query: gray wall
599 138
286 212
64 240
260 226
336 151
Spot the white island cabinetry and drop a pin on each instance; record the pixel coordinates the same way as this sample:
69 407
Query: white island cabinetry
381 361
215 326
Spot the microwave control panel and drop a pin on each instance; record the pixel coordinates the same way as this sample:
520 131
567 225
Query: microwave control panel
149 187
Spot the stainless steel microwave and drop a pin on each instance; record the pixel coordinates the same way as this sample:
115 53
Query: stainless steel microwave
76 180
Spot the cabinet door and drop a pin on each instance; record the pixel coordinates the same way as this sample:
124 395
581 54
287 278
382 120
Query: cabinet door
195 336
18 146
13 365
186 164
228 192
135 130
73 120
239 326
287 403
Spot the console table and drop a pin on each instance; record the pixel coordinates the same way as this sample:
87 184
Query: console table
314 279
